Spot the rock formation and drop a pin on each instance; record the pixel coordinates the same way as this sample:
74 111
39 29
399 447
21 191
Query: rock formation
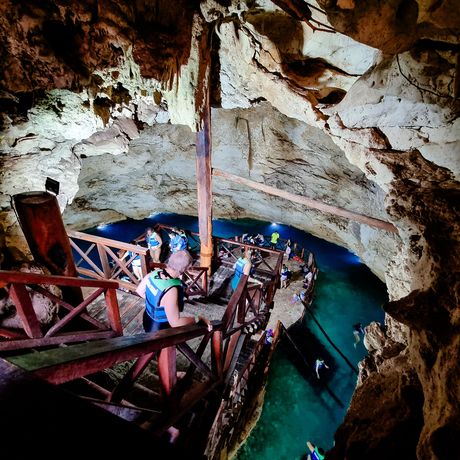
105 97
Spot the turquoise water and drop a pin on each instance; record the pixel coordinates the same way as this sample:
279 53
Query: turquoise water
297 406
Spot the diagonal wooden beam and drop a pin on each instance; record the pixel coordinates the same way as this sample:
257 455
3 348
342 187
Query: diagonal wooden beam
314 204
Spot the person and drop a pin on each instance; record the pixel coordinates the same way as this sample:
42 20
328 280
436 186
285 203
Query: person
284 276
164 297
307 280
288 250
164 302
260 239
177 242
274 239
357 331
135 263
314 453
319 364
269 337
242 267
154 242
299 297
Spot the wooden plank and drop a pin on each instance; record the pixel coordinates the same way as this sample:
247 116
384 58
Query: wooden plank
69 307
73 313
216 354
67 337
25 310
230 349
113 312
230 311
191 356
87 259
107 242
167 370
135 326
203 152
34 278
314 204
65 364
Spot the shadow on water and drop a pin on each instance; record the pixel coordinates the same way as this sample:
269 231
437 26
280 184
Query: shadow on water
303 348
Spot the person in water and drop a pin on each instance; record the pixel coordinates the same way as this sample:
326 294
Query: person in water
320 364
164 302
313 452
357 332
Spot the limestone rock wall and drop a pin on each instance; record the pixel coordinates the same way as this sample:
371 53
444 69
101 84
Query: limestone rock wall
104 97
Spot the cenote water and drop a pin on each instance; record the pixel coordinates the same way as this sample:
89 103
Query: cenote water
297 406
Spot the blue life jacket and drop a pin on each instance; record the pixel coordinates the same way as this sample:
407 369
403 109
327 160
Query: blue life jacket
137 260
151 240
239 271
155 289
177 243
315 455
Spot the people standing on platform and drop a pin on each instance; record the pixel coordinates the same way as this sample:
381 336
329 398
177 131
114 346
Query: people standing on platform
164 301
307 280
314 453
242 267
269 337
260 239
177 242
288 250
320 364
284 276
135 263
154 242
274 239
357 332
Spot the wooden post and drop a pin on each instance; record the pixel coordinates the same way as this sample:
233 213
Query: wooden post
40 219
216 354
203 152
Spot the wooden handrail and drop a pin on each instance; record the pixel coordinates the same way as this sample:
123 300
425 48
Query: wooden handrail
7 277
107 242
61 365
22 284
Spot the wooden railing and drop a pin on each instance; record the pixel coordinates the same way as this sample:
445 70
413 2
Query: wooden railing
104 260
60 365
20 286
249 304
239 398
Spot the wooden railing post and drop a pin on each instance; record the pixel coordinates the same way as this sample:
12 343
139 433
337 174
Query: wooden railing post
25 310
167 370
216 354
104 261
113 312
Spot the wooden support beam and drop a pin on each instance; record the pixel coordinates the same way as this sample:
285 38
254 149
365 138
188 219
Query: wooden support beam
314 204
203 152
